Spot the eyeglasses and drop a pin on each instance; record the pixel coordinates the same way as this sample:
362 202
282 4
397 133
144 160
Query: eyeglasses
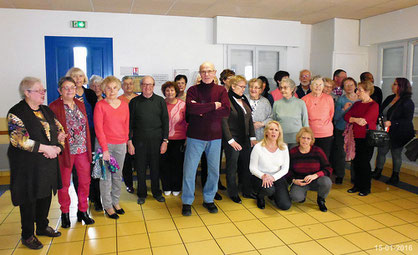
206 72
40 91
242 87
284 87
147 84
69 88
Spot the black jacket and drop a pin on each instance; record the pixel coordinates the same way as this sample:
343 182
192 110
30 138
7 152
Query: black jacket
400 114
33 176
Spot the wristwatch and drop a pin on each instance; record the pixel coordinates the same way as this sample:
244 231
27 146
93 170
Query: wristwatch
165 141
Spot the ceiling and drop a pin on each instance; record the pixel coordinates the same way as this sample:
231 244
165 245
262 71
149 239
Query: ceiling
306 11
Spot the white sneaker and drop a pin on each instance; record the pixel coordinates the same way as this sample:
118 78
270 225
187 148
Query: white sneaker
176 193
167 193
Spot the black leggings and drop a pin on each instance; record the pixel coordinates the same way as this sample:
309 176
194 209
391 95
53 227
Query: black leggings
279 191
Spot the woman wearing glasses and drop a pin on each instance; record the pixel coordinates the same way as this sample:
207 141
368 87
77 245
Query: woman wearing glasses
36 139
71 113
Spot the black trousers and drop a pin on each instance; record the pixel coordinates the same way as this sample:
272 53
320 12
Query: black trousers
325 144
361 165
147 153
128 165
338 159
237 165
172 166
34 211
279 191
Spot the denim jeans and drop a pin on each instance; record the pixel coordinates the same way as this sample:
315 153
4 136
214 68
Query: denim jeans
396 157
194 150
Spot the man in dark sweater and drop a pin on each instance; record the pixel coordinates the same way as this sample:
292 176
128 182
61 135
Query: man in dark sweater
377 95
148 136
206 104
305 81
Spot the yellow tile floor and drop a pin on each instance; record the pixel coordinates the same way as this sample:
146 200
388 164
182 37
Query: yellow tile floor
385 222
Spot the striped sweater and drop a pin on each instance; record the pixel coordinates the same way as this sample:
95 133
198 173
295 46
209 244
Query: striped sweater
313 162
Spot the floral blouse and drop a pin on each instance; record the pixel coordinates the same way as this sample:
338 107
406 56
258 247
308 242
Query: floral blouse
77 129
19 137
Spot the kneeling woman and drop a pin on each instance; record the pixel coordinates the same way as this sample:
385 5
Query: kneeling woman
71 113
269 164
309 169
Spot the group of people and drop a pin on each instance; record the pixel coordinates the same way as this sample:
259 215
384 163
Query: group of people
270 141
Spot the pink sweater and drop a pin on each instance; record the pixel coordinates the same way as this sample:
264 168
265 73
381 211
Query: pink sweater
177 120
111 125
320 114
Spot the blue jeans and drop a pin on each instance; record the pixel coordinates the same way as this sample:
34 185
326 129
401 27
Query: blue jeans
396 157
194 150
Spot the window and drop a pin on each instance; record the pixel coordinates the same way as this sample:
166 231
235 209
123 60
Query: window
399 60
80 58
254 61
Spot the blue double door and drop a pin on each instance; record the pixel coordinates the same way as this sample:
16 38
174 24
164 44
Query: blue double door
59 58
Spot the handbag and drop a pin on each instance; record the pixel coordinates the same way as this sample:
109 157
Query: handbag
377 138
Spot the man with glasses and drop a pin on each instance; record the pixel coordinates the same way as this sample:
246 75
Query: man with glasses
206 105
148 137
305 81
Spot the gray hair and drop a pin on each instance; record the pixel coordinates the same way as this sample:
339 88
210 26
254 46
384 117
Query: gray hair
26 84
148 76
290 82
317 77
127 78
95 79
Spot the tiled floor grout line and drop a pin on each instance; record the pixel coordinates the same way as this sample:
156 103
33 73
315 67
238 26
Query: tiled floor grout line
175 225
146 228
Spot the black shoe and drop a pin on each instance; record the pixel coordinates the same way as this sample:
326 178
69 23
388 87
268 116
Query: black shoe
84 216
130 190
353 190
252 196
321 204
211 207
236 199
160 198
65 220
221 187
32 243
377 173
261 203
394 179
217 196
141 200
112 216
339 180
48 231
364 193
186 210
119 211
98 206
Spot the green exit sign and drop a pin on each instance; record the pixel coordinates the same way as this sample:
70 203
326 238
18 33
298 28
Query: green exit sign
78 24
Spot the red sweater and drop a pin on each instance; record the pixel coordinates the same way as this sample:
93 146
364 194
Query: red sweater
313 162
368 111
111 125
205 123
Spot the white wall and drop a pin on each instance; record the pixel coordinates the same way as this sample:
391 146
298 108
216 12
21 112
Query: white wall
348 54
322 46
388 27
156 44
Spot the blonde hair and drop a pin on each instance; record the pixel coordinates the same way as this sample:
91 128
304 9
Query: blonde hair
255 80
233 81
110 79
367 86
280 143
74 70
305 130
